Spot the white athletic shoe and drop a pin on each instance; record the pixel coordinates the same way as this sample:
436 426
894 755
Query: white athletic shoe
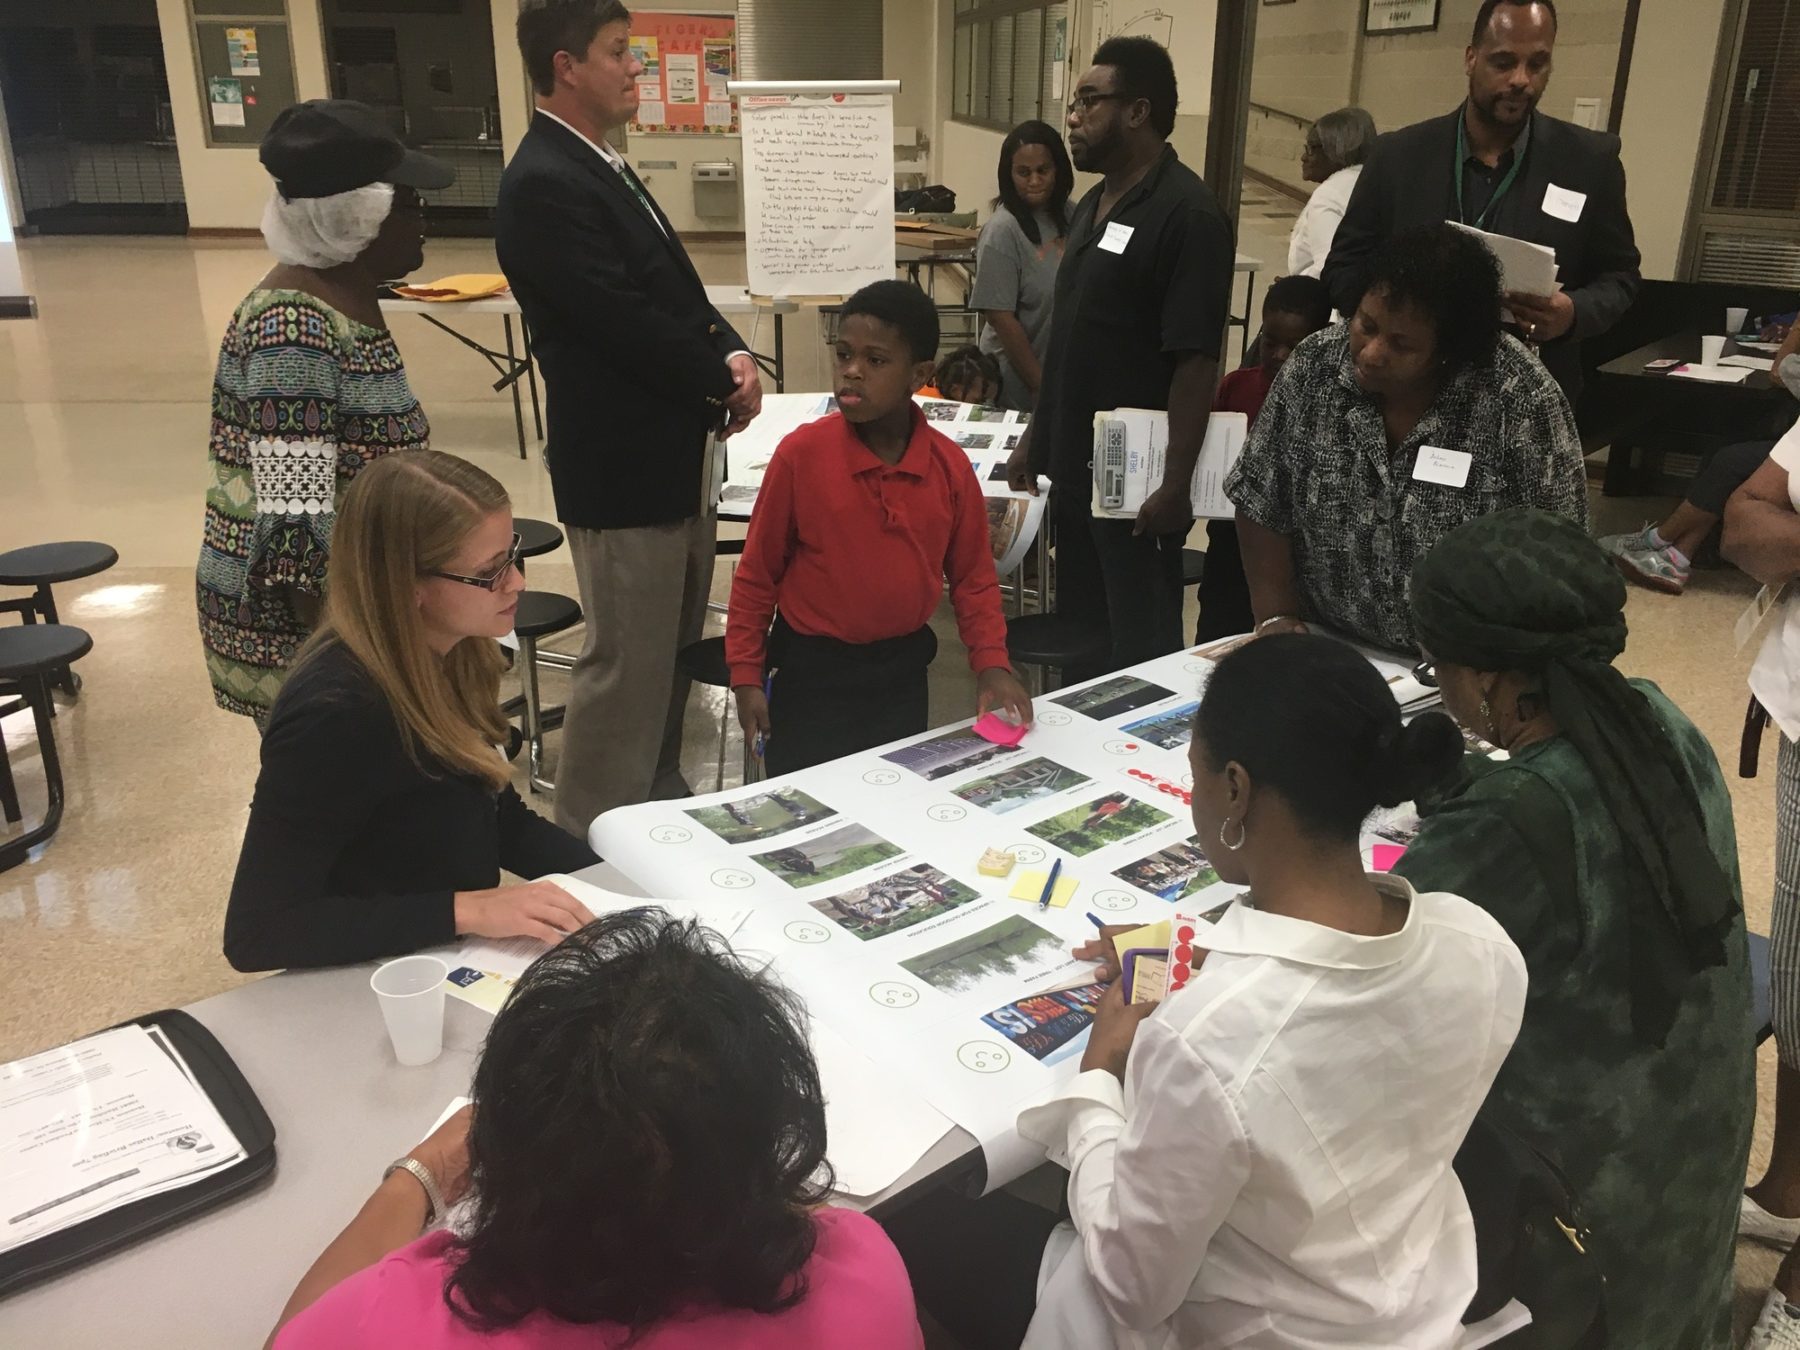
1777 1328
1757 1223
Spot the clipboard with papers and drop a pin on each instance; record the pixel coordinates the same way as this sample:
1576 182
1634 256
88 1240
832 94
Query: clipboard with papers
117 1136
1131 448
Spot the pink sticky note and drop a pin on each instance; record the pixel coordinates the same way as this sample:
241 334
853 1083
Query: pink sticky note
995 728
1385 856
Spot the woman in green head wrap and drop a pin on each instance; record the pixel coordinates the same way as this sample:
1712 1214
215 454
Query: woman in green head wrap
1604 845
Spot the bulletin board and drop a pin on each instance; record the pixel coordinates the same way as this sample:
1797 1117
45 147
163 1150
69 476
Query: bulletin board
688 60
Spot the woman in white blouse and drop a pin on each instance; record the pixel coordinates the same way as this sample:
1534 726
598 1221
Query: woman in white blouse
1264 1160
1336 146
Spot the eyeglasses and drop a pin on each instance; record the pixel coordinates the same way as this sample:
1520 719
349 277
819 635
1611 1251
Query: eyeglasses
488 583
1082 104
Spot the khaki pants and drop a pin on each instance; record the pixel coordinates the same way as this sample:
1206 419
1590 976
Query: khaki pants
644 593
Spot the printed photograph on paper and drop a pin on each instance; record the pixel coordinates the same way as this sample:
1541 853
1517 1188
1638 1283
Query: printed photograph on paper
1013 949
1171 873
942 412
1399 829
1169 730
1111 819
1048 1027
1111 697
1020 785
897 901
830 856
950 753
975 440
750 819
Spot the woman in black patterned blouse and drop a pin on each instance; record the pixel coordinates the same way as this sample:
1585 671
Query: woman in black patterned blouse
1383 434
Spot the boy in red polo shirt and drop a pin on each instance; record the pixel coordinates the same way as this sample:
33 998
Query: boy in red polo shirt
862 517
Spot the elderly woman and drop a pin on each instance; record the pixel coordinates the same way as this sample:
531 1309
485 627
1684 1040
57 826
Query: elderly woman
1336 146
1762 536
1382 435
1604 845
310 387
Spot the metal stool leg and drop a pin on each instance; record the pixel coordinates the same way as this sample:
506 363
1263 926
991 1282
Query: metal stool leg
9 790
15 851
534 720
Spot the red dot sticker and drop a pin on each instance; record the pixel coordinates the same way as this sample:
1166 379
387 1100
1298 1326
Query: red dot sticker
1184 953
1186 934
1180 974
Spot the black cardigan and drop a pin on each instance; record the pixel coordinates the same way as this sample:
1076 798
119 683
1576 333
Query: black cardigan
355 852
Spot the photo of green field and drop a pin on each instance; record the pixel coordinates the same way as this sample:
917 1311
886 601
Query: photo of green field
1112 819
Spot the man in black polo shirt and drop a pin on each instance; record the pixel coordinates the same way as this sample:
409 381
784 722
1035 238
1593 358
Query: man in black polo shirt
1141 302
1500 165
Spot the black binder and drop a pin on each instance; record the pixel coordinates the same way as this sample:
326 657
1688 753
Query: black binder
102 1234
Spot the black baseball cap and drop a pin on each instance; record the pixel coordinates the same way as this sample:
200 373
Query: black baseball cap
325 146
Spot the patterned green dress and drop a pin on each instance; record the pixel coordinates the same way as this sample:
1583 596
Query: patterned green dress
304 398
1654 1141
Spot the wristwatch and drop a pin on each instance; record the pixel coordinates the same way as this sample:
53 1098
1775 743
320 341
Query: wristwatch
1277 618
434 1198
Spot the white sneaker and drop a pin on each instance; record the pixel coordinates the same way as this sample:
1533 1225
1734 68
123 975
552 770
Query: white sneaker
1777 1328
1757 1223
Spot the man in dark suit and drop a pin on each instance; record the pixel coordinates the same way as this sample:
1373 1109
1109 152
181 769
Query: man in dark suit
1498 164
640 369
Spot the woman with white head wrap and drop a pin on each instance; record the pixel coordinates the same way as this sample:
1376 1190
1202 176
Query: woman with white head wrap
310 386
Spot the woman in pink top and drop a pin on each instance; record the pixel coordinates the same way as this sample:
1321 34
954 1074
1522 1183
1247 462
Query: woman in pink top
643 1164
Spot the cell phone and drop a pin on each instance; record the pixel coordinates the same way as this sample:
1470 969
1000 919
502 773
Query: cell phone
1662 367
1145 971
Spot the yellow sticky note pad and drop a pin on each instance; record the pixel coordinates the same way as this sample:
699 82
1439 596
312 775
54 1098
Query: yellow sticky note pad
1030 886
1150 935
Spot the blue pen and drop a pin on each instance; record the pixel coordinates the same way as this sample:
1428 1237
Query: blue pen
1050 886
1096 920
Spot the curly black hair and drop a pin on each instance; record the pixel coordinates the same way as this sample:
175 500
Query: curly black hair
1449 276
1144 69
648 1134
904 308
963 368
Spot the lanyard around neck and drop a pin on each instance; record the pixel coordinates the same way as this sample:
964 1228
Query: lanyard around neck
1462 154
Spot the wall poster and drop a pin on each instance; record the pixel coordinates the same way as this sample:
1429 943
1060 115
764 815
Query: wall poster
687 58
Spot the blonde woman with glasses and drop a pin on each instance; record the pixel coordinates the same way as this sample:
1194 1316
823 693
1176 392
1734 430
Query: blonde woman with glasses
384 813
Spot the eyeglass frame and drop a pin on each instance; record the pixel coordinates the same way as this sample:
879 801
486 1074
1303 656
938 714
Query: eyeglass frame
490 583
1083 104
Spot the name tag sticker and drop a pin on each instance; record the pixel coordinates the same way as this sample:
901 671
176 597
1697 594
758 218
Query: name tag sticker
1563 204
1449 468
1116 237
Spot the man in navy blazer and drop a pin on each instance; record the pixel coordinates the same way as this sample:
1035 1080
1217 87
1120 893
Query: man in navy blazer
639 369
1499 164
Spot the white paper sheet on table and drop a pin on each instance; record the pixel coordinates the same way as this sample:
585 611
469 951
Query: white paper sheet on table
1711 374
1762 363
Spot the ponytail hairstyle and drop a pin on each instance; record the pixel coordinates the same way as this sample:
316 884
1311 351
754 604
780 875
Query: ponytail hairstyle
406 515
1312 721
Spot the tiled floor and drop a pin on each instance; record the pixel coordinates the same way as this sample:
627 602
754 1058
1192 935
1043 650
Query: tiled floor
103 415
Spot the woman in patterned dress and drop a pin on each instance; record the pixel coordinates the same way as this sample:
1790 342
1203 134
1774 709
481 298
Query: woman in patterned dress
310 386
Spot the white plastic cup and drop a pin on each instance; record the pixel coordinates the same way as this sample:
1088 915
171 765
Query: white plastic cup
1711 349
1734 320
411 993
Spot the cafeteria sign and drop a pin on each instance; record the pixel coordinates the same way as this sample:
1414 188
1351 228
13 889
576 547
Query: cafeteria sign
1400 16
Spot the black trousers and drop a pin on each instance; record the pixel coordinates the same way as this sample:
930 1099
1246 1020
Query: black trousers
1224 589
1106 574
829 698
974 1263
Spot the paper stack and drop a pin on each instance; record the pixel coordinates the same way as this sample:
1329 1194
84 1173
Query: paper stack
100 1123
1524 267
1131 447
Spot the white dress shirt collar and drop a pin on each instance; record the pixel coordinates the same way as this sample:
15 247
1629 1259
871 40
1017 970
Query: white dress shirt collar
600 148
1246 931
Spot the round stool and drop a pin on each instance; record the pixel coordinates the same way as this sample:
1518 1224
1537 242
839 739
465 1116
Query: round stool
1053 642
536 537
41 566
31 656
1193 566
703 662
541 614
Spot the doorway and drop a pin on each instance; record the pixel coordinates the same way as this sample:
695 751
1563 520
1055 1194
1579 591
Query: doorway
87 110
428 65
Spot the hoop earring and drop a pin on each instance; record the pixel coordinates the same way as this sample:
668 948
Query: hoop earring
1487 724
1243 832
